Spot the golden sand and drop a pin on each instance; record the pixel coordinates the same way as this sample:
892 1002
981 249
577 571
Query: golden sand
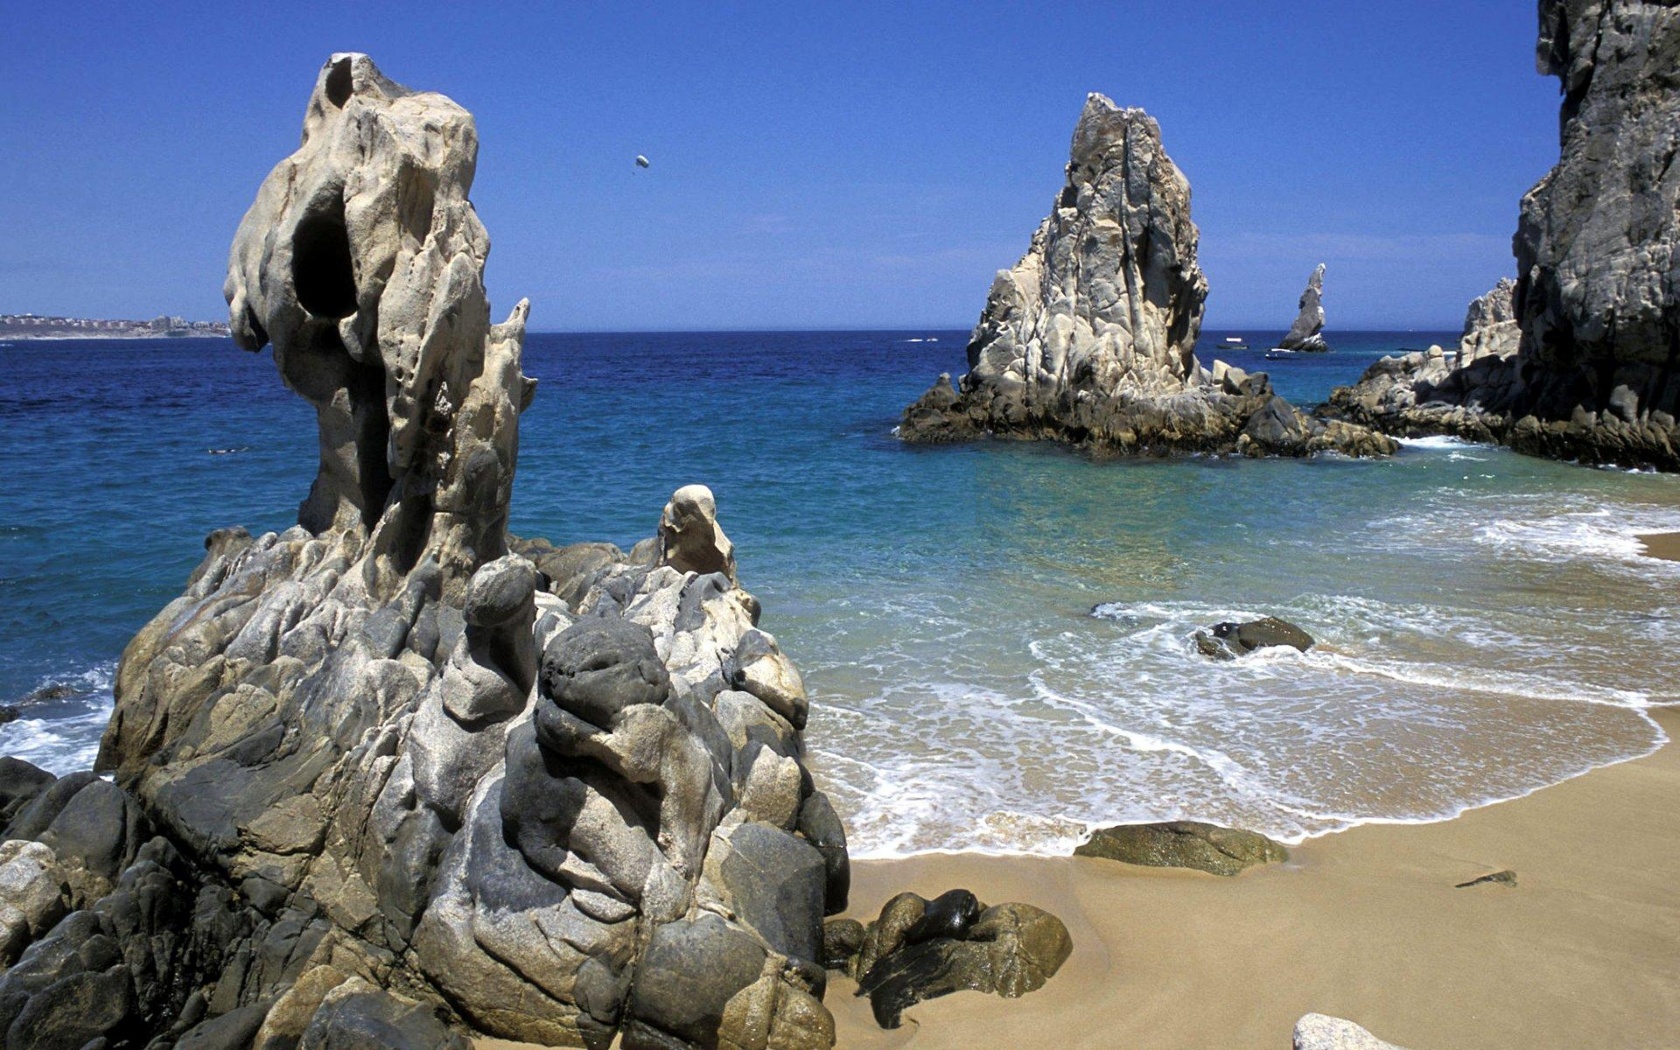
1584 952
1664 545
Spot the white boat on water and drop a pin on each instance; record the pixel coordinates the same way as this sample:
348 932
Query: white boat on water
1234 342
1278 353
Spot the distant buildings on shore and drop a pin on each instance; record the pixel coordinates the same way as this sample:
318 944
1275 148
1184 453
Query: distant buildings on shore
35 326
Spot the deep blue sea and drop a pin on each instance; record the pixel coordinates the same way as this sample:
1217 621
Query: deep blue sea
996 636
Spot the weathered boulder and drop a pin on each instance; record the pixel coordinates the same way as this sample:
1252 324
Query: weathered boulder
1090 338
1320 1032
1228 640
919 949
1597 296
357 1015
690 539
20 784
1306 334
33 895
1183 844
414 781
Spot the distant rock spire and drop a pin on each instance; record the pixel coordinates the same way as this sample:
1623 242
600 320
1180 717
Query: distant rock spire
1304 335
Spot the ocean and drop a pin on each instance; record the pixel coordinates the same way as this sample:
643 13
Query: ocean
996 637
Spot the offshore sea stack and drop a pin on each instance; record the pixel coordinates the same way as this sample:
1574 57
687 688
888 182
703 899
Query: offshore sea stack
1305 335
1597 298
1091 338
392 777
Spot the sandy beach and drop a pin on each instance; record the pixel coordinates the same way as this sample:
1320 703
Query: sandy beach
1664 545
1366 924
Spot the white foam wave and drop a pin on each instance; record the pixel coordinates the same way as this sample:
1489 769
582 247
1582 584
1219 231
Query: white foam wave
1601 533
1439 442
67 739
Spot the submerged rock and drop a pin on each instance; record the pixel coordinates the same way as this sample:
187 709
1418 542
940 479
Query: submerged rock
919 949
1090 338
1597 295
1320 1032
1183 844
392 778
1305 334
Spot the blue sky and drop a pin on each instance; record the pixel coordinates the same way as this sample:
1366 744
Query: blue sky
847 165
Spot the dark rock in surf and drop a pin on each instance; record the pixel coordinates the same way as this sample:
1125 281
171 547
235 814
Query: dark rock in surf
1230 640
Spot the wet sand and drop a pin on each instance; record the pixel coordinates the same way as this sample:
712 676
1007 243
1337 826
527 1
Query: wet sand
1365 924
1664 545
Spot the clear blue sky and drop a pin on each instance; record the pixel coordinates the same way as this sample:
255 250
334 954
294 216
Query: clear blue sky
847 165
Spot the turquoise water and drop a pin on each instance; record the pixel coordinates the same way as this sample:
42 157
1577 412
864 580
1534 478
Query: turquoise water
996 636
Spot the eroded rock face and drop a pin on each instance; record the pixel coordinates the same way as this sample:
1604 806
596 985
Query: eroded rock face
393 775
690 538
1305 334
1091 337
361 261
1597 298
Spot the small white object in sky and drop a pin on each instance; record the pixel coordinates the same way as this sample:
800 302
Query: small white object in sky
641 161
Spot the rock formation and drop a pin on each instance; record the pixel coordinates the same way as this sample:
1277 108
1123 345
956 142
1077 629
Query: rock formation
1090 339
1468 394
1304 335
392 777
1227 641
920 949
1597 298
1183 844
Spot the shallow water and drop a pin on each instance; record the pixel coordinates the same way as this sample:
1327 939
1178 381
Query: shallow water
996 637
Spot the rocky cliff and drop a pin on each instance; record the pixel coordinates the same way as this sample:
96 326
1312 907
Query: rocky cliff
1305 334
392 777
1091 337
1597 298
1466 394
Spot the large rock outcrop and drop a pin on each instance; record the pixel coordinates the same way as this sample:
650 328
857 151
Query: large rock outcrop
1090 338
392 771
1597 298
1305 335
1466 394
